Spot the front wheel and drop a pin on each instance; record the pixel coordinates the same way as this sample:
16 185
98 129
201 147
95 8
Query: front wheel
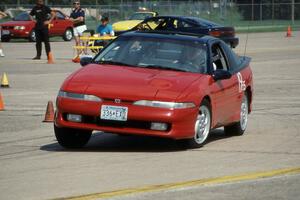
68 35
202 127
72 138
239 128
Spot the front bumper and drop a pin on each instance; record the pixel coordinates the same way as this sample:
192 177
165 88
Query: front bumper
180 121
16 33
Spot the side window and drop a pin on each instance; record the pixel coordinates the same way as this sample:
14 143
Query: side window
59 15
180 24
153 24
219 60
161 24
233 59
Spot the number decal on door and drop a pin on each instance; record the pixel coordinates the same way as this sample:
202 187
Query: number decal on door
242 85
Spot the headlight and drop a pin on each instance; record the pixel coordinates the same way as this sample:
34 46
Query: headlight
19 27
84 97
162 104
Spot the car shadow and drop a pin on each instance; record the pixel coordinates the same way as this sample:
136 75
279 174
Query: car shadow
106 142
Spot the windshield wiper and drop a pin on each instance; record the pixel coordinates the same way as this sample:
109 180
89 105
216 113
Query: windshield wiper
163 67
109 62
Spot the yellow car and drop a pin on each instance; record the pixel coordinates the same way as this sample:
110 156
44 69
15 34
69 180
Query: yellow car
133 20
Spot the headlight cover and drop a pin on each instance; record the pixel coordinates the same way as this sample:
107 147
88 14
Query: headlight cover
163 104
19 27
84 97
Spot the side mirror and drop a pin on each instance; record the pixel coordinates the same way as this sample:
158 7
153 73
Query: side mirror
85 60
221 74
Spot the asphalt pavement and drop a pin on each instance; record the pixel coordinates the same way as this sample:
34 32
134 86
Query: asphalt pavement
34 166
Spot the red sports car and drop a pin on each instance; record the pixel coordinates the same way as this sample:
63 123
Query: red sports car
23 27
158 84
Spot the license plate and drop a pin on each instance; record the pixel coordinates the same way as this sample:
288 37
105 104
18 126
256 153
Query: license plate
116 113
5 32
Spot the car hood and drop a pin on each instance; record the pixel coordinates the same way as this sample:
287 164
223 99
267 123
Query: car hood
16 23
129 83
125 25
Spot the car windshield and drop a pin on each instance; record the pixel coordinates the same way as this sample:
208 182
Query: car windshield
140 16
24 16
158 53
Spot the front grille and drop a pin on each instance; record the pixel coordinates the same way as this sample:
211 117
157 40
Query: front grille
7 27
138 124
114 100
123 124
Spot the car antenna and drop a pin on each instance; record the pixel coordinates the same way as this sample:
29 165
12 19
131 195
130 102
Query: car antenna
245 50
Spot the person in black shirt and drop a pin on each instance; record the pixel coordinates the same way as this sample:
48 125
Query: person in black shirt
41 13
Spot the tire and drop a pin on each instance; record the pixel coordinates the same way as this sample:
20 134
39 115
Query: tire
72 138
238 128
68 35
32 37
5 38
202 127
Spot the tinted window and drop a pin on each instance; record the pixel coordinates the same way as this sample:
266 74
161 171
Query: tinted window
59 15
219 60
233 59
182 24
153 24
190 56
24 16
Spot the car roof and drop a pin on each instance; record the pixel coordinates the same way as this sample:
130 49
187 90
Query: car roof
196 20
170 35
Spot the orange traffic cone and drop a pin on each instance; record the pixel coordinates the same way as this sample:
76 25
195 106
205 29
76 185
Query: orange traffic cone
289 31
76 59
50 58
49 116
1 103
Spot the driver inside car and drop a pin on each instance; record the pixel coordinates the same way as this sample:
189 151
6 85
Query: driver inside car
195 59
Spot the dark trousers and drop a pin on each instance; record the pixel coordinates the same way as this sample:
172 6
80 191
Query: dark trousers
42 35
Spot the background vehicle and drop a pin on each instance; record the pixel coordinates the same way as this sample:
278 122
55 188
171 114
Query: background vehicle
133 20
189 25
23 27
157 84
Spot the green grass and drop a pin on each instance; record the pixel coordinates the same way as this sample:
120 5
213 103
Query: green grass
257 29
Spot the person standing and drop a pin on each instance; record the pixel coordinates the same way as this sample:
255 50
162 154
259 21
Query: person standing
1 50
41 13
78 18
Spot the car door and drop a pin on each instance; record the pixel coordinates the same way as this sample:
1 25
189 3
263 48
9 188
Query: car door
225 92
58 24
238 75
